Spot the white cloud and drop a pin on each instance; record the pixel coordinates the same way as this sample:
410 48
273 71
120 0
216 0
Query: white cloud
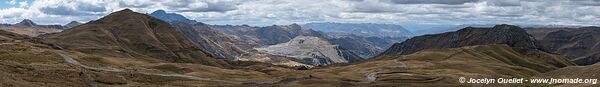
268 12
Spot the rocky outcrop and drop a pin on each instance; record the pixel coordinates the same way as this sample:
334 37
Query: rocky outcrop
263 36
363 46
211 41
273 44
499 34
311 50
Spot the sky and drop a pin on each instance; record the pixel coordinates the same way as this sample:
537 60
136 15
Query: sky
269 12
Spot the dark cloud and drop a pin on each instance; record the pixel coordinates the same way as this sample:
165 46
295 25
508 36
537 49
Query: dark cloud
504 2
128 5
86 7
373 7
447 2
366 9
586 2
81 9
214 7
61 10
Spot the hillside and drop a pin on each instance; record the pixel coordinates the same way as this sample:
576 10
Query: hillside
439 67
128 34
580 45
499 34
311 50
212 41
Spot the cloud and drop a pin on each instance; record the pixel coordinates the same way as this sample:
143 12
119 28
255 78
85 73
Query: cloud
208 6
447 2
268 12
586 2
70 8
504 2
372 6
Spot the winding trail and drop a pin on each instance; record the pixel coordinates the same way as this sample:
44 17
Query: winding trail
75 62
7 43
372 76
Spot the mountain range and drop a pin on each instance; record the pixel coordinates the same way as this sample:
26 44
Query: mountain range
580 45
365 29
240 42
500 34
127 48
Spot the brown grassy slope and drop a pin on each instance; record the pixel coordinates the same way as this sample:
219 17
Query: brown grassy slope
25 65
511 35
443 67
129 34
573 72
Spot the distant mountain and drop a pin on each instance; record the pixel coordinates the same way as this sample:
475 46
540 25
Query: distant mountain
265 44
263 36
580 45
500 34
364 46
365 29
127 34
448 28
30 28
171 17
548 26
27 23
72 24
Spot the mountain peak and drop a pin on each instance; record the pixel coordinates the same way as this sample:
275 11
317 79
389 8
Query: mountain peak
126 10
26 22
160 11
172 18
72 24
506 26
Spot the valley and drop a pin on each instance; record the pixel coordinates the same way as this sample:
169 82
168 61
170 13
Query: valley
169 48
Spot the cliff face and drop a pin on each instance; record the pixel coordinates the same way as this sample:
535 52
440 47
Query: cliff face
311 50
263 36
211 41
499 34
132 35
580 45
